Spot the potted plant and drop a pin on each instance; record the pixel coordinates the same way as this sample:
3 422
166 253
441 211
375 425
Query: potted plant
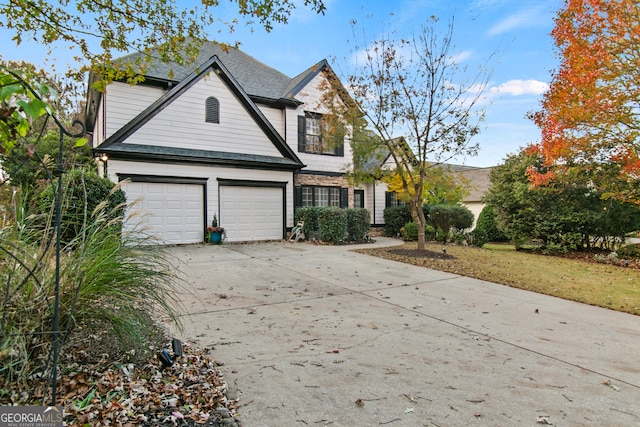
216 234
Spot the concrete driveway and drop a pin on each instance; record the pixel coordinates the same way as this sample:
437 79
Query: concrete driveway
319 335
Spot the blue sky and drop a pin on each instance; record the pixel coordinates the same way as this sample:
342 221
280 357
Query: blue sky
518 31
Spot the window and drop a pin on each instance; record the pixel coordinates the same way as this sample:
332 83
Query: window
391 200
212 107
307 196
310 128
358 198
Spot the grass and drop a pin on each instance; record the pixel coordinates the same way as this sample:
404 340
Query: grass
577 278
110 280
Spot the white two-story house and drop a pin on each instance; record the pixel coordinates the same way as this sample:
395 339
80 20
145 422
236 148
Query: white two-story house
235 138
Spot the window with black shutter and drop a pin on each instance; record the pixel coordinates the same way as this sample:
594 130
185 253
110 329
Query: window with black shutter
310 129
391 200
310 195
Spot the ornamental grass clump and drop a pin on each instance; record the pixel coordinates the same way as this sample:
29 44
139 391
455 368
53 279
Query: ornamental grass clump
111 279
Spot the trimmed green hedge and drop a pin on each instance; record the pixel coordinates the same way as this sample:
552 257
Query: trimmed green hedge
394 219
358 223
310 218
332 224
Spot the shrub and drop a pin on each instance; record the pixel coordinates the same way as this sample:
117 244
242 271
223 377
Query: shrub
332 224
394 219
409 231
429 232
631 251
358 223
310 217
450 217
83 191
487 226
479 237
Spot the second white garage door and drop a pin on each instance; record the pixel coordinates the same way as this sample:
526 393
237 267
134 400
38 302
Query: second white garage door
251 213
172 213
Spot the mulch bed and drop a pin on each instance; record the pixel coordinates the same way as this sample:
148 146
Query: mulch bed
101 386
417 253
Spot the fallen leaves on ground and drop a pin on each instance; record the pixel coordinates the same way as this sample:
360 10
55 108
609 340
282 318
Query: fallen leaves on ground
192 392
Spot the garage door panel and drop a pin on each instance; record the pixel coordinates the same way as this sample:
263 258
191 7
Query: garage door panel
252 213
173 213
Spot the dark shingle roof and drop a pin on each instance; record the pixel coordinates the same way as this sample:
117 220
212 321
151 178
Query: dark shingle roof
255 78
113 144
157 153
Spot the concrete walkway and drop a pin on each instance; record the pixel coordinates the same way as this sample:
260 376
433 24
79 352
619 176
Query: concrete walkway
319 335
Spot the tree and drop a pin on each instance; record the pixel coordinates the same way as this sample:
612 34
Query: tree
447 217
20 104
487 229
562 216
407 86
440 186
101 31
27 154
590 117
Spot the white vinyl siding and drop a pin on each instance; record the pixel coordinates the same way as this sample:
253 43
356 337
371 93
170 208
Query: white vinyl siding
123 102
275 116
182 123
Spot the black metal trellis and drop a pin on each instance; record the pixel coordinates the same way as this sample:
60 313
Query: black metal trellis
55 331
57 232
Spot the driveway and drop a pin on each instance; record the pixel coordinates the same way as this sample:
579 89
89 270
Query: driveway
319 335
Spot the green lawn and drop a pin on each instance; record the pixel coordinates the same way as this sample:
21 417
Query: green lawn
577 278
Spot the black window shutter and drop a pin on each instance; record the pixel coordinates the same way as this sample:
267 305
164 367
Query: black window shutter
212 110
297 196
345 198
340 150
302 131
387 199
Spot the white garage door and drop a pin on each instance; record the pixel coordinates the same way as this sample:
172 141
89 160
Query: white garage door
251 213
173 213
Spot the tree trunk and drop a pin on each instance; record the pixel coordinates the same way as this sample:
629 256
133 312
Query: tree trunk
418 217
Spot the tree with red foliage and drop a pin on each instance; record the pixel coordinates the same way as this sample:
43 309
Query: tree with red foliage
590 117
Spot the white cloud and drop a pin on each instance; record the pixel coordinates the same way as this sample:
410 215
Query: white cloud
509 23
532 16
521 87
461 57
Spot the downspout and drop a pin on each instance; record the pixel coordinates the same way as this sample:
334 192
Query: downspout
374 203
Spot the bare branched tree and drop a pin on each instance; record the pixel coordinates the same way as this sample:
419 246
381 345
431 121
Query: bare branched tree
416 89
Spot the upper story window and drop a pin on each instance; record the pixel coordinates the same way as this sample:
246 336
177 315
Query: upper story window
212 106
310 127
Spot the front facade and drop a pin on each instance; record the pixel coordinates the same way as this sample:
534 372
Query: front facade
235 139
